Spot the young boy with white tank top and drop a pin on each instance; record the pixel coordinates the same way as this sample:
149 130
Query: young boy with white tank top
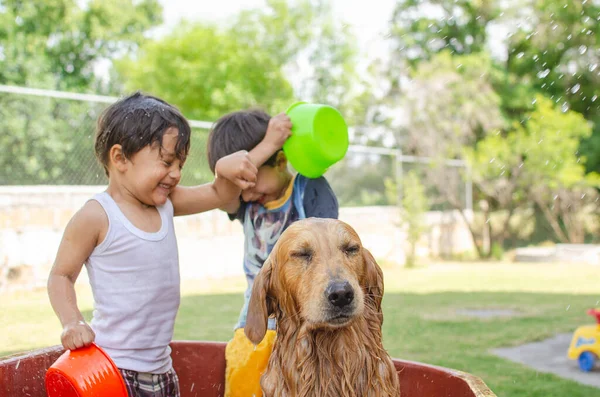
126 239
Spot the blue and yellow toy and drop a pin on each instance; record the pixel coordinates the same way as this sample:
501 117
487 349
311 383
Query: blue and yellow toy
585 345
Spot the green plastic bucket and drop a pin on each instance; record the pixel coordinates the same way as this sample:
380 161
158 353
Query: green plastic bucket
319 138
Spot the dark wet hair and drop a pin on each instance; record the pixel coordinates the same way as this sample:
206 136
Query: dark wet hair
138 121
237 131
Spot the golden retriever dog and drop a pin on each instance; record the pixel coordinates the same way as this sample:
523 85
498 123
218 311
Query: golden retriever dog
325 291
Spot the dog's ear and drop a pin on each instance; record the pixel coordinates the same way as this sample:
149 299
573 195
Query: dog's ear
373 280
259 307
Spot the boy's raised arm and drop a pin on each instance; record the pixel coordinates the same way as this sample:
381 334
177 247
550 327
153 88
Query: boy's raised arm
278 131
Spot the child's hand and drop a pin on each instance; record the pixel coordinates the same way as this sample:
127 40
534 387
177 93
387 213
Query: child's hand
278 131
76 335
238 169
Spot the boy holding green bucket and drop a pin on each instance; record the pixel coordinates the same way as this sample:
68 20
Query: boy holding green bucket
319 138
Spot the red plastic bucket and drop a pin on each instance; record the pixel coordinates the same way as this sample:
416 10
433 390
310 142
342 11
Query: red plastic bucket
85 372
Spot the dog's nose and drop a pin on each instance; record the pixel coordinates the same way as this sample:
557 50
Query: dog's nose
340 293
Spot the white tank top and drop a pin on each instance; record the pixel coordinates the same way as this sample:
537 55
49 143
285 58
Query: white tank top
135 281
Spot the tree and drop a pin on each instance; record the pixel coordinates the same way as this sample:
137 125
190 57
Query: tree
450 105
55 44
412 212
556 47
208 70
421 29
553 170
538 161
551 48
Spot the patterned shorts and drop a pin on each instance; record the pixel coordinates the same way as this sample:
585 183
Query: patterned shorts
141 384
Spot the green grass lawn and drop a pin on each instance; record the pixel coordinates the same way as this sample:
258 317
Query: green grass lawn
420 324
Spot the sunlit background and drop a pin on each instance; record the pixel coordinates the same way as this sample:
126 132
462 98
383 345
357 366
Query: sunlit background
473 171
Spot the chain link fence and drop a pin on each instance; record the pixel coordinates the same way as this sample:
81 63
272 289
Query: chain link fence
47 138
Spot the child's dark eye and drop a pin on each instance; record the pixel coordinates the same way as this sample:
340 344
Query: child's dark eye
168 164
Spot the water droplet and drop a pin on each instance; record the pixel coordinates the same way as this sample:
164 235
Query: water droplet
575 88
564 107
594 98
543 74
555 197
492 160
534 101
582 196
192 389
593 67
502 173
582 49
488 220
540 141
568 307
520 55
459 66
521 165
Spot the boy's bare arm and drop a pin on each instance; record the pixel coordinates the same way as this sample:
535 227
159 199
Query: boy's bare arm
196 199
233 173
79 240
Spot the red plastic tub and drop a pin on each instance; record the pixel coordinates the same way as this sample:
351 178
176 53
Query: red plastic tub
200 367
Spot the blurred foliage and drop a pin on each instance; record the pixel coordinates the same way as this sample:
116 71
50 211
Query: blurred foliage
509 87
54 44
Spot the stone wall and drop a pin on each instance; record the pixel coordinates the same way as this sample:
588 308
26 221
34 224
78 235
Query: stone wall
33 218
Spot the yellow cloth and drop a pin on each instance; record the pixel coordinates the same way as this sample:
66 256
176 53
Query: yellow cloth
246 364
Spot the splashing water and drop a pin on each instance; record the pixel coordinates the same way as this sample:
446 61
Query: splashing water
575 88
543 74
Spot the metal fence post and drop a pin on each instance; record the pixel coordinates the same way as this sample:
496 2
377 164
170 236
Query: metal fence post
469 189
399 175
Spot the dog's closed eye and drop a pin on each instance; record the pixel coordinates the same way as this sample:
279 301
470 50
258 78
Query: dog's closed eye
305 254
350 249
